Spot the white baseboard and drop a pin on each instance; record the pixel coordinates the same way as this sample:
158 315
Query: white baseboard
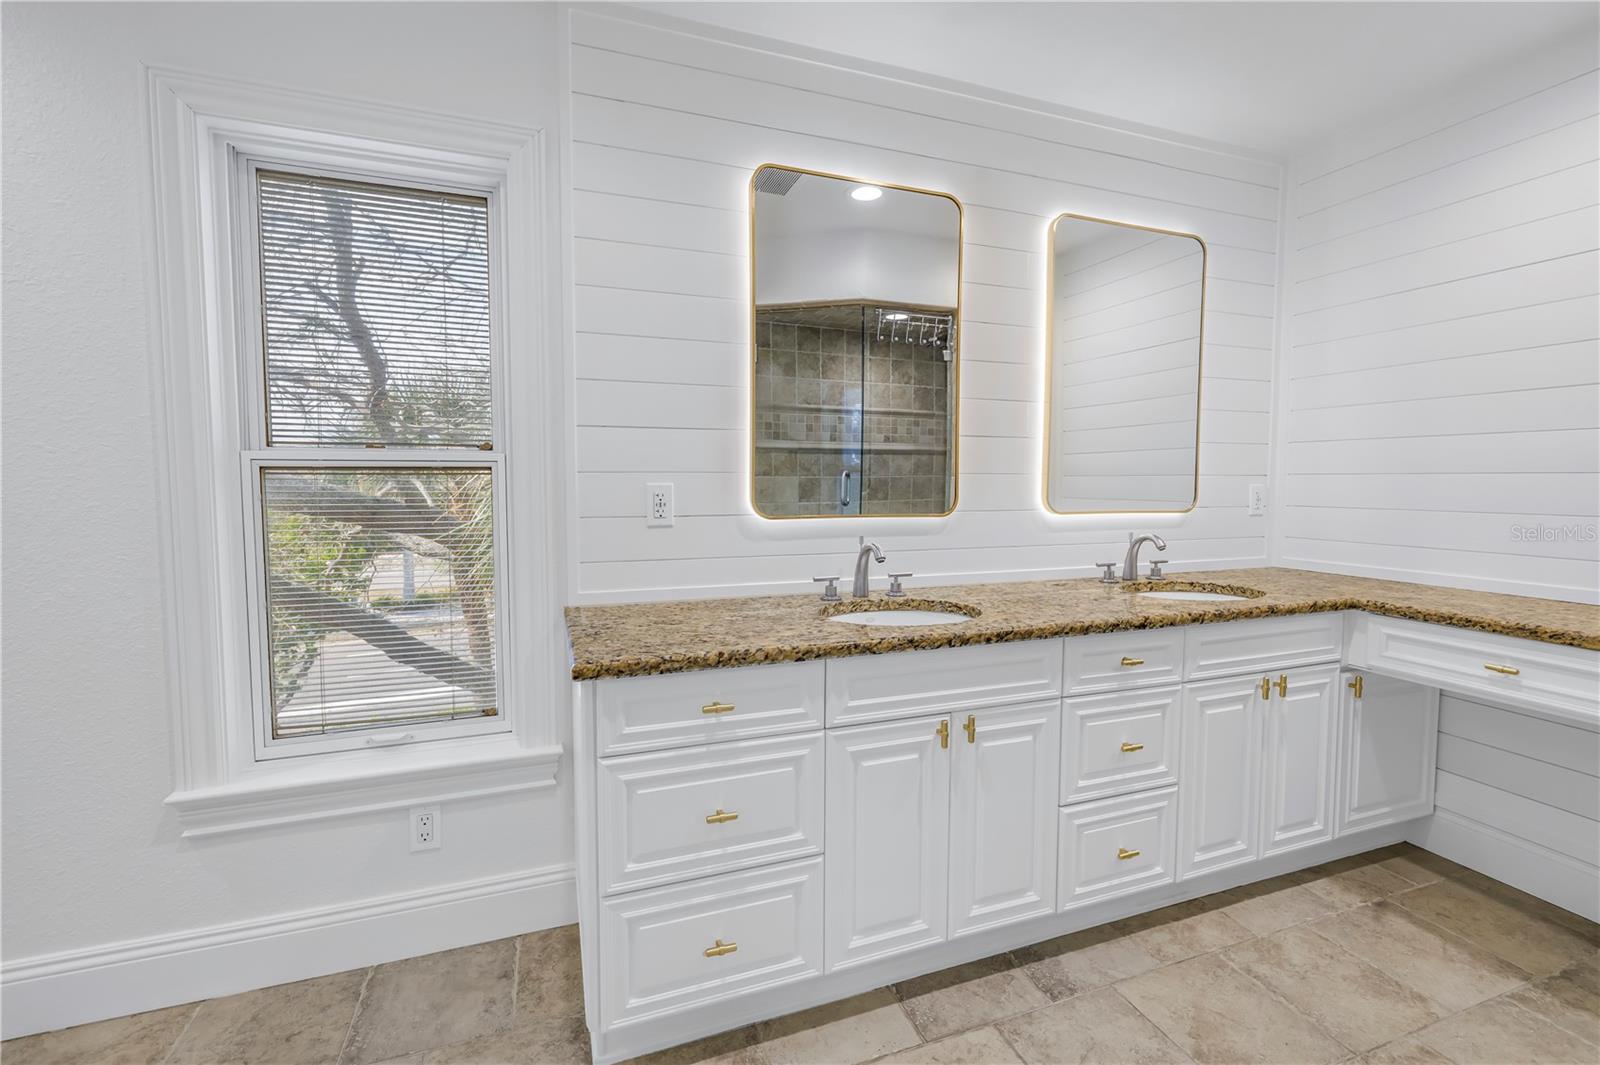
47 992
1557 878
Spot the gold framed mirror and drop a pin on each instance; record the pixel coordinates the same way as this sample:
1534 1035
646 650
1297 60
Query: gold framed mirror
855 316
1124 340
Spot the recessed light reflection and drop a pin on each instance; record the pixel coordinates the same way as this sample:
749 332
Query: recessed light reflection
865 192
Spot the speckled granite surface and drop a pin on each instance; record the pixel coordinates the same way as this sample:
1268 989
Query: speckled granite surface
635 639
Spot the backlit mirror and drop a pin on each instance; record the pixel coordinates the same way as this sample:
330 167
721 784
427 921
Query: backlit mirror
856 319
1123 354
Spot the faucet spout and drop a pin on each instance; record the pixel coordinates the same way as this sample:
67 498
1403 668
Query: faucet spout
868 554
1130 564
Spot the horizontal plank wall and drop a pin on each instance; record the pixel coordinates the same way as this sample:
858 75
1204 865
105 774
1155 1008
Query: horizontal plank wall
1518 798
666 127
1442 417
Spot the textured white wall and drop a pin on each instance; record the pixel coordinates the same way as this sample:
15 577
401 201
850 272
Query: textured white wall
1441 420
91 857
667 126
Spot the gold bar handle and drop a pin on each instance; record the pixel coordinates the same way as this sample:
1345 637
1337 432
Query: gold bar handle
1129 748
1266 687
1132 661
943 732
1356 685
1283 685
1510 671
1123 854
719 948
716 708
721 817
972 729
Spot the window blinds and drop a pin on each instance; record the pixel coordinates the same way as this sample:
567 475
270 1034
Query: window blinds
375 314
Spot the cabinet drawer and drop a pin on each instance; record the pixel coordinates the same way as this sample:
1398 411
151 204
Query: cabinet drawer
677 814
918 683
1117 846
1115 660
1234 647
1559 682
670 948
706 705
1098 732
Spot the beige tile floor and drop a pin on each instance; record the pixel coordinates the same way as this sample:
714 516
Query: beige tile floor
1394 957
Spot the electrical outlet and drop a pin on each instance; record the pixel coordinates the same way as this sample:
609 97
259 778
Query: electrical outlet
1258 500
658 506
424 828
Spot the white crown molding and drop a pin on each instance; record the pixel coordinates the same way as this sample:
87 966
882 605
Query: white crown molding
51 991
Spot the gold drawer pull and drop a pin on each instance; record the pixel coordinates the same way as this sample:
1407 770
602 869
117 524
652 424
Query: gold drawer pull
1129 748
721 817
1132 661
1283 685
720 948
1356 685
1123 854
1510 671
716 708
972 728
943 732
1266 687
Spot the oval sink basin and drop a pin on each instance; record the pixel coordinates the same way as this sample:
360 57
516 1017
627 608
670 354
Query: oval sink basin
1192 597
900 617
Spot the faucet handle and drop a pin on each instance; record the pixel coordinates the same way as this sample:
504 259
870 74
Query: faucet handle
830 594
895 591
1155 569
1109 574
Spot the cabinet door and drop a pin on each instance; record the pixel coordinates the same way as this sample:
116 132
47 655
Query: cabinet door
1300 759
886 832
1219 809
1003 783
1388 740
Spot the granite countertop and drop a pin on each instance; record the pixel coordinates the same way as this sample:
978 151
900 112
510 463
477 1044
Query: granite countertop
637 639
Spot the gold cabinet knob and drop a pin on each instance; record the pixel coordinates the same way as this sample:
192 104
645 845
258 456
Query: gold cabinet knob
1132 661
1123 854
1356 685
1266 687
1283 685
1510 671
719 948
972 729
1129 748
716 708
943 732
721 817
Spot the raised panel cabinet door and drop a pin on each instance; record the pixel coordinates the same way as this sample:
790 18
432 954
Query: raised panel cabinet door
1220 805
887 824
1301 756
1003 784
1389 740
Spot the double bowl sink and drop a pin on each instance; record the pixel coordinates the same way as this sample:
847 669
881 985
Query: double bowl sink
924 612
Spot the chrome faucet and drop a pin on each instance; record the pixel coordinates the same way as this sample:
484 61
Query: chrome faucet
1130 564
868 552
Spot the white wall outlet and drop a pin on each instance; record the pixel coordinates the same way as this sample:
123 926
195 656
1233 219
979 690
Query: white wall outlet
424 828
658 506
1258 500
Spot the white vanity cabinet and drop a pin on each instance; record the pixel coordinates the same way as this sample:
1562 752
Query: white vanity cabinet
759 839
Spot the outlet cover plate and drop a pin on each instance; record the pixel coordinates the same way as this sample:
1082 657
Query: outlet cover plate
424 828
658 509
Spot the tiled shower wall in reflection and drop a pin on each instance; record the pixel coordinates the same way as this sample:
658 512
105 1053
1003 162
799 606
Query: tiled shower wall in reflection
814 367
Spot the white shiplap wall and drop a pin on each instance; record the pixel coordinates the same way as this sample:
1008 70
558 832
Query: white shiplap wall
1518 798
1441 308
665 129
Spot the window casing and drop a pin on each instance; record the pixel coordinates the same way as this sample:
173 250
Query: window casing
394 674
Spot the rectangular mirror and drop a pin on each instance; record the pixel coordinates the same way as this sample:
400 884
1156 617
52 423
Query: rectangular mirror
1125 317
855 291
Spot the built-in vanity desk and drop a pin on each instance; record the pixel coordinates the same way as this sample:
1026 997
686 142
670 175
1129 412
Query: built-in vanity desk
776 809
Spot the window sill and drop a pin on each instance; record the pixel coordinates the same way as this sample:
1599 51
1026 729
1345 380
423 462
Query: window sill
343 786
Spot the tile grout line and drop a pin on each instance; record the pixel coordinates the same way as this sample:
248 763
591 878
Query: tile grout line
1151 1021
361 1000
1506 995
184 1031
1277 996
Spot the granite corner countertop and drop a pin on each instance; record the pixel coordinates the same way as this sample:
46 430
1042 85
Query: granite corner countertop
638 639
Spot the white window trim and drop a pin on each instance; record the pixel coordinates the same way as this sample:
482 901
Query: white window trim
199 129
